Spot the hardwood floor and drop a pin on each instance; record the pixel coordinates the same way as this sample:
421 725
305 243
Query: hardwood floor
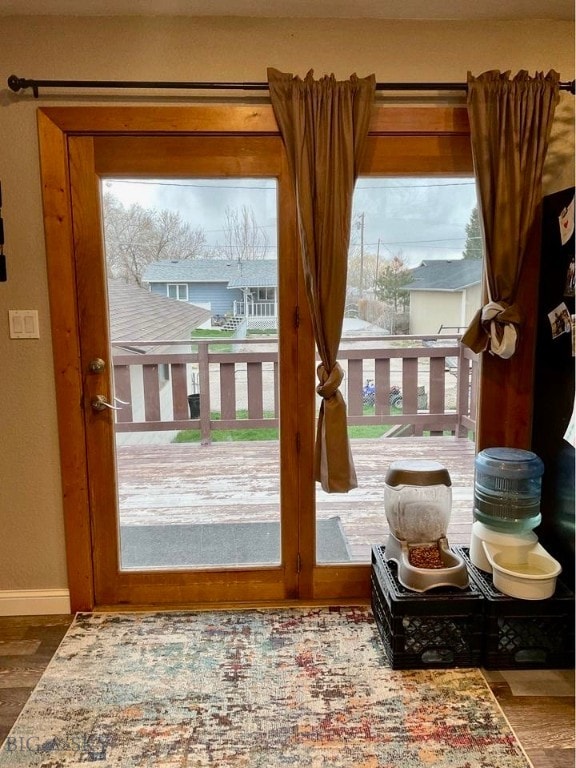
539 705
27 643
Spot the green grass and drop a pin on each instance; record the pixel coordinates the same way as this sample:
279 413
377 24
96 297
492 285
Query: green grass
369 431
269 433
211 333
230 435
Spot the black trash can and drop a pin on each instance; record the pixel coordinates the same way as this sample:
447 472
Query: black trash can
194 405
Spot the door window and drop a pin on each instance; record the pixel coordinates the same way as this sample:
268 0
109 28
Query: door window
193 495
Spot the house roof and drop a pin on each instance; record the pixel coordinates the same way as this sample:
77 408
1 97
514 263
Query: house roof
446 275
258 273
136 314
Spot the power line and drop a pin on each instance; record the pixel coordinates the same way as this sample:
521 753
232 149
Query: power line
192 184
413 242
359 185
419 186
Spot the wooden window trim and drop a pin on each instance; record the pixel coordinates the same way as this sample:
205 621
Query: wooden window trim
506 383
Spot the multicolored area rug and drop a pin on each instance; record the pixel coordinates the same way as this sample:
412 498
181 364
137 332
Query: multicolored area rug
251 689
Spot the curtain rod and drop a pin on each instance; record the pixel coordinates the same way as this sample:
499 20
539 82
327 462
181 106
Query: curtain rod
21 83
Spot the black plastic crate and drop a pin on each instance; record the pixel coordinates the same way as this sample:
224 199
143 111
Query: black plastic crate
524 634
439 628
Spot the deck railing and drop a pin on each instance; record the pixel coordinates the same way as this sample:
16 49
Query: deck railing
255 309
207 386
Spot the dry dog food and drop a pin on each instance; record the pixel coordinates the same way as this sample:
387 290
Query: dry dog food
425 557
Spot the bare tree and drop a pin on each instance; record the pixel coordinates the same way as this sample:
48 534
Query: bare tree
135 236
362 272
245 240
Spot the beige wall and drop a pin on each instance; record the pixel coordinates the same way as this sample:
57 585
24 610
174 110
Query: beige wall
32 554
429 310
472 302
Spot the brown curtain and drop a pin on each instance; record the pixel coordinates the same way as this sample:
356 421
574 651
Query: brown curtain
510 123
324 125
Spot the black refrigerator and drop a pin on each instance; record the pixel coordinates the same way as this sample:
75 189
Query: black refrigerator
554 379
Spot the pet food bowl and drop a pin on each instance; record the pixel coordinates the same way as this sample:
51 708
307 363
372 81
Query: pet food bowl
418 500
453 574
528 574
517 544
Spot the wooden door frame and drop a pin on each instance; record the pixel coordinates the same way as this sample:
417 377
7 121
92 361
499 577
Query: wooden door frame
70 153
92 160
55 124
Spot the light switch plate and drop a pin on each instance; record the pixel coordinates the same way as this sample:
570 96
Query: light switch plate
23 324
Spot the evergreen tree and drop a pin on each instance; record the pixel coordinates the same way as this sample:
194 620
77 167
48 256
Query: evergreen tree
391 286
474 247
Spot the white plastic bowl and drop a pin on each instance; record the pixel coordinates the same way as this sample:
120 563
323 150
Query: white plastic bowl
531 576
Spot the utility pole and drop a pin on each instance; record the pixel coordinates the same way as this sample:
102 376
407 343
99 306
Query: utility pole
377 261
362 255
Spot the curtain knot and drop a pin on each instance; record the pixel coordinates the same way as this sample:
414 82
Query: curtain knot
499 320
329 381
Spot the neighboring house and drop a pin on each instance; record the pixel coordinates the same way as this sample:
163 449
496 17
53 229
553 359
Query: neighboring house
135 316
235 290
444 295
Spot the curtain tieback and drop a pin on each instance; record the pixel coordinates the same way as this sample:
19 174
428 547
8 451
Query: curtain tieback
498 320
329 382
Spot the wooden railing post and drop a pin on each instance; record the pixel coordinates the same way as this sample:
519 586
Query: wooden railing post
204 378
386 362
462 391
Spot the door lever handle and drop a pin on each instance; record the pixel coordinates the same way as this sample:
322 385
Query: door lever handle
122 402
99 403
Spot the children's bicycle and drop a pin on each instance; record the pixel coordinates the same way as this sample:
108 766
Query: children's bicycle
369 394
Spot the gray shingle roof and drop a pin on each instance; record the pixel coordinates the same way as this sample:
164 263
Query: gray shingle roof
260 273
136 314
444 275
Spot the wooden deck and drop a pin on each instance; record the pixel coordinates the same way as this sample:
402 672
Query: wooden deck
238 482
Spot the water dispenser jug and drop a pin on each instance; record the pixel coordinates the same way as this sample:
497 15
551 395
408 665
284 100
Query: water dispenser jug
507 489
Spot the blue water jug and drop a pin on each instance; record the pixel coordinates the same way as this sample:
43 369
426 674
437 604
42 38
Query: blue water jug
507 489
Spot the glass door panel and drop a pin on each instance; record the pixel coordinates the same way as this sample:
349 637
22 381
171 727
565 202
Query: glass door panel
188 418
414 283
192 299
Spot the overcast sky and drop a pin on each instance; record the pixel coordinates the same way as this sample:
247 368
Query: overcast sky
421 218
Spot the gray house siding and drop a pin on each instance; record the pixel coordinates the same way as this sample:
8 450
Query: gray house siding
159 288
216 295
222 285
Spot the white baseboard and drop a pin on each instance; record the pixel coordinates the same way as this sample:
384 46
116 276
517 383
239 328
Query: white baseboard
34 602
